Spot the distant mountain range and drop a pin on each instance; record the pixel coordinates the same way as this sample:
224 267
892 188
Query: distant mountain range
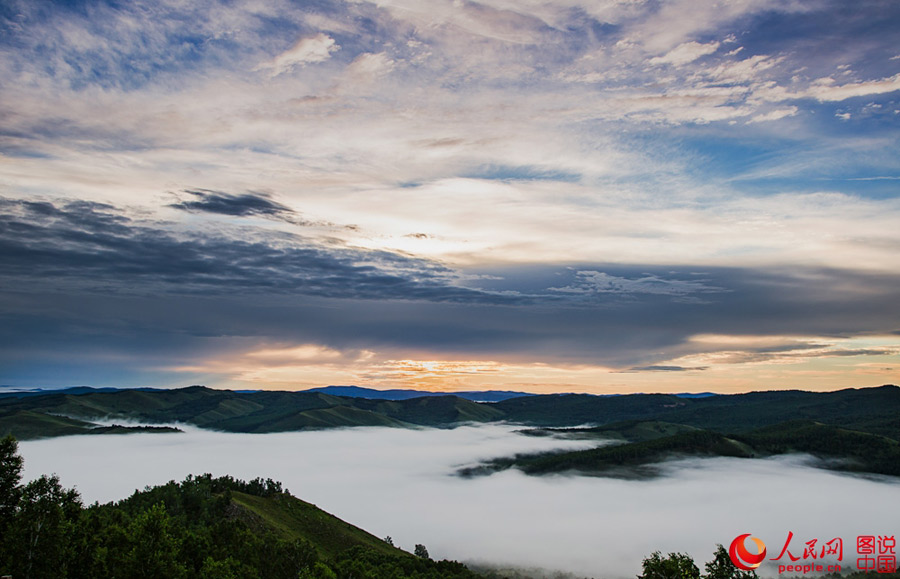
858 424
73 411
372 394
345 391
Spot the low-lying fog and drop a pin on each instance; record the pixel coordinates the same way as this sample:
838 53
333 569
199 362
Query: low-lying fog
401 483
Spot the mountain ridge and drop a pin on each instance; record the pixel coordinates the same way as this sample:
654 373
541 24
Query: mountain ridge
875 410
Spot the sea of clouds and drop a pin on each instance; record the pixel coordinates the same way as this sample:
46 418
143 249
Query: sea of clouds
401 483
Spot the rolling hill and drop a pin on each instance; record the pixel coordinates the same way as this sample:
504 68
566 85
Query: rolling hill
56 414
653 442
861 425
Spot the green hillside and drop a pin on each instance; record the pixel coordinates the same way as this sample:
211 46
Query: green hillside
577 409
60 414
875 410
627 430
28 424
860 451
433 410
629 460
293 519
850 450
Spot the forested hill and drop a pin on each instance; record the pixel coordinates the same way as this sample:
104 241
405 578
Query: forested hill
646 444
873 410
203 527
56 414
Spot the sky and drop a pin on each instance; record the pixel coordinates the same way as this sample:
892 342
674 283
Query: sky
401 483
602 196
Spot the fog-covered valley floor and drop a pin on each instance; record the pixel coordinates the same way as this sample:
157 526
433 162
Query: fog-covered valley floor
401 483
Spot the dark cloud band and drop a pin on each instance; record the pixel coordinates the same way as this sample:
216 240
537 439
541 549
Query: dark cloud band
95 245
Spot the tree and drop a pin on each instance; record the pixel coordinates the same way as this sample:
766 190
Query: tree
721 567
421 551
10 478
154 549
389 540
10 491
43 528
225 569
673 566
318 571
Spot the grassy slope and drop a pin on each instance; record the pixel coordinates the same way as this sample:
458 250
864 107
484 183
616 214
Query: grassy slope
27 424
433 410
332 417
292 518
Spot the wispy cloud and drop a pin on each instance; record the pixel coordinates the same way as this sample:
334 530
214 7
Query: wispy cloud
667 369
685 53
318 48
827 89
598 282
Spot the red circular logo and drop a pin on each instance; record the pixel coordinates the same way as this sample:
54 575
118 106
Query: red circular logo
744 559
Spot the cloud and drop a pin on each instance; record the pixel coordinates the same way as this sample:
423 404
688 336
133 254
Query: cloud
370 66
774 115
597 282
522 137
94 245
476 20
132 46
685 53
309 50
159 303
287 366
667 25
386 481
667 369
242 205
726 350
828 90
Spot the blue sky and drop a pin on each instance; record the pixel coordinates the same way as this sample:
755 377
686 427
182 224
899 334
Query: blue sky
612 196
